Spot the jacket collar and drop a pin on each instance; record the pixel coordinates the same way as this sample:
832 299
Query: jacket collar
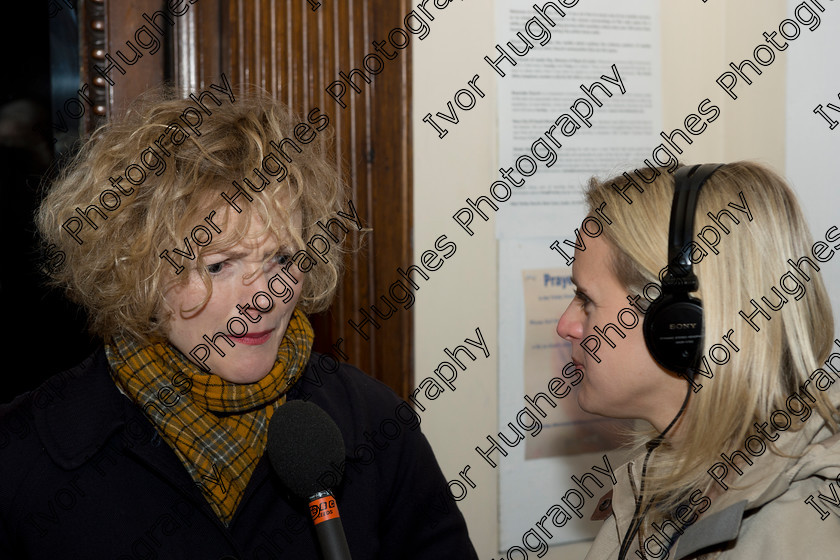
768 478
79 412
717 528
76 411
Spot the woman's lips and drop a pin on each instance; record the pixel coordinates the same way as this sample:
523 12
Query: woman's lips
255 339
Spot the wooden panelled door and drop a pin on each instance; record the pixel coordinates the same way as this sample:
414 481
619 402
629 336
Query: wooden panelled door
294 51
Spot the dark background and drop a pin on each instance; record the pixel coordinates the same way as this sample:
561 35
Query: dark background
44 334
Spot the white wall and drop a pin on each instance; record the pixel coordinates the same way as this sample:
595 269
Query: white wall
463 294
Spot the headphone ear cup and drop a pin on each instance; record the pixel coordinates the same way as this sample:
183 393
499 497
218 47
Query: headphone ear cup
673 331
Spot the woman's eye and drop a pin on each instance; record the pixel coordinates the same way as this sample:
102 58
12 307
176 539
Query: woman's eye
215 268
282 258
581 297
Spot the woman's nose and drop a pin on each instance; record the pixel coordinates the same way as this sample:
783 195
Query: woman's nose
255 278
255 289
569 326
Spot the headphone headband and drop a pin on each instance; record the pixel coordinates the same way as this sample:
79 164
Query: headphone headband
687 184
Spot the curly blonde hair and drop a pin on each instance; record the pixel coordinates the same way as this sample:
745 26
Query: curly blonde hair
144 182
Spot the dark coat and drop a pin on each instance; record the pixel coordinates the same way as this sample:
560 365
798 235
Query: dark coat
84 475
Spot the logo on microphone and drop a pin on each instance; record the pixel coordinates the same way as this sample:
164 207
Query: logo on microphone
673 326
323 509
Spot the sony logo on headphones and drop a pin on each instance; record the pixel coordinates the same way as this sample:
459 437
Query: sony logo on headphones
673 326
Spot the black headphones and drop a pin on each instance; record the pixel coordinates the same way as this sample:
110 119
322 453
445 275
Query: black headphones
673 326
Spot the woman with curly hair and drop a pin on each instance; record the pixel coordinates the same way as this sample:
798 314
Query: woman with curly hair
187 245
724 361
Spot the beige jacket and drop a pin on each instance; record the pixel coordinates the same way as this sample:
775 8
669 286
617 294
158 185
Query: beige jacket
763 514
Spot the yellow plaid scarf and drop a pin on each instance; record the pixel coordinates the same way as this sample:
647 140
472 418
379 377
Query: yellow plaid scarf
218 429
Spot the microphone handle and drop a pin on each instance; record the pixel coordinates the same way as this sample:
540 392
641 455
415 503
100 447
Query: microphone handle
328 526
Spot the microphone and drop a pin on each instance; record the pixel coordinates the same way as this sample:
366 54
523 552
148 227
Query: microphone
302 441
